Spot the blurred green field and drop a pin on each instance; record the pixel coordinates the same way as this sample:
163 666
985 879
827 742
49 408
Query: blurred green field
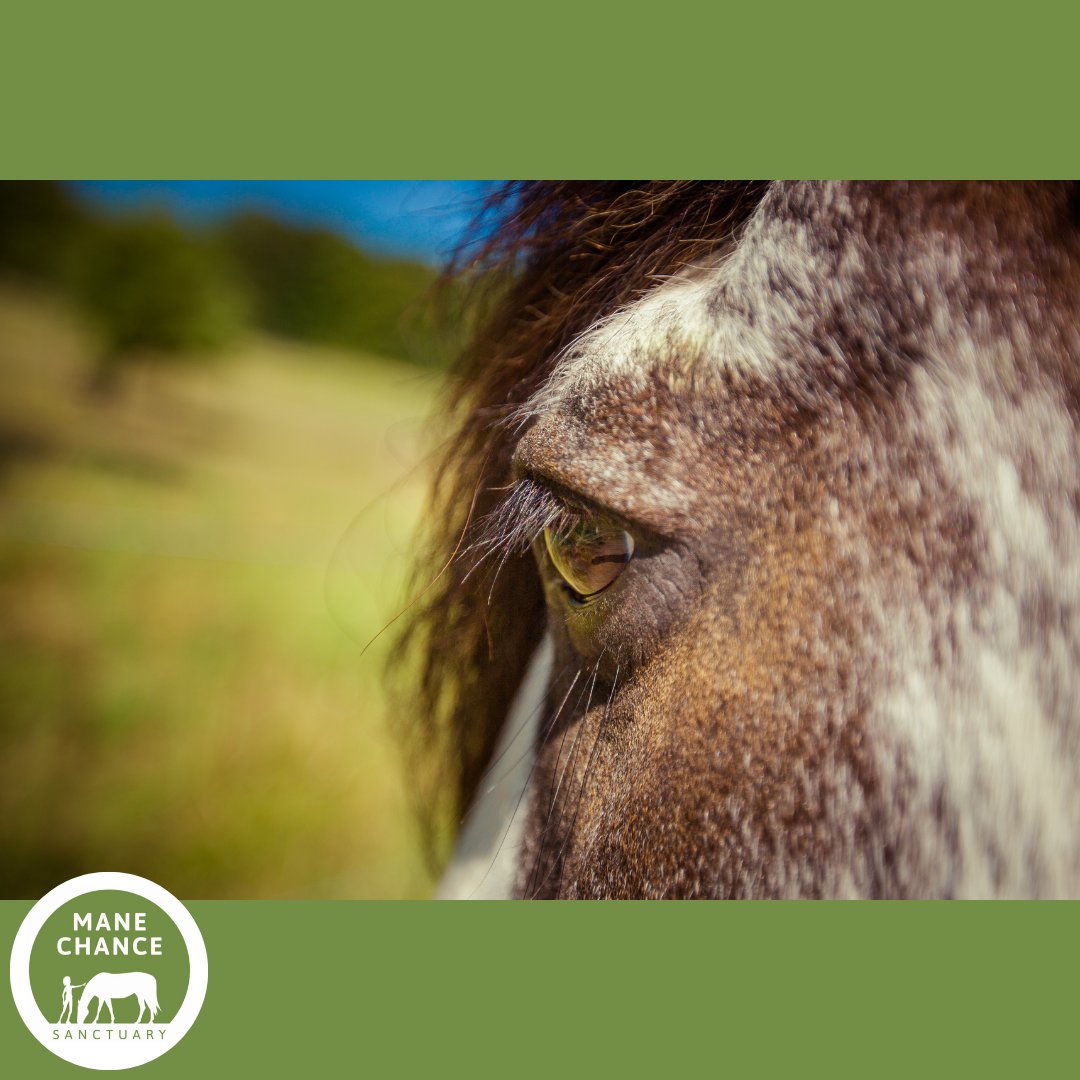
190 566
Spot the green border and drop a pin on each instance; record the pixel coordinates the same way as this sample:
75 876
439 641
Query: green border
127 88
739 989
123 88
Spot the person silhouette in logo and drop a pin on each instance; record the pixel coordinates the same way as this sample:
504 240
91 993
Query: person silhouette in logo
67 1013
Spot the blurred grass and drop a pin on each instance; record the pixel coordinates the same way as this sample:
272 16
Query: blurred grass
188 574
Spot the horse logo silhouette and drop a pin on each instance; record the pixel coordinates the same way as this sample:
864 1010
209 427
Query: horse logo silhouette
106 988
112 1018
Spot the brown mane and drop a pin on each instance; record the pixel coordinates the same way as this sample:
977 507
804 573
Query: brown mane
563 254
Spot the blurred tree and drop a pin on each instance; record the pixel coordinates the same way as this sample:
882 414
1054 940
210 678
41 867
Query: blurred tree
152 287
313 285
43 231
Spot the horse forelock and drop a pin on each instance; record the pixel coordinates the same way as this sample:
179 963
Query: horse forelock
564 254
856 418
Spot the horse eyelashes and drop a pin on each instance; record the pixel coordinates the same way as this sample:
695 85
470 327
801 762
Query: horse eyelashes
586 549
510 529
520 519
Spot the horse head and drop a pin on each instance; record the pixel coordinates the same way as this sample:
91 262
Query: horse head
784 480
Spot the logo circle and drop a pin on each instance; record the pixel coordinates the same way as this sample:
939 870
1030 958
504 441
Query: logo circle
122 922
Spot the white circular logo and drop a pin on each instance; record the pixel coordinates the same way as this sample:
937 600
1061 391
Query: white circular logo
108 971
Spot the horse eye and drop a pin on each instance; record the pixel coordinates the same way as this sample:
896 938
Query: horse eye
589 557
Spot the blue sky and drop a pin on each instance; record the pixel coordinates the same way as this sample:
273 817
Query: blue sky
419 219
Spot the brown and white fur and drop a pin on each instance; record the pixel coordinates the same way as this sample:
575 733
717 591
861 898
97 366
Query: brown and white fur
845 659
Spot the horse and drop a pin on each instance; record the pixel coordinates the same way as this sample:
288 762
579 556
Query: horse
753 561
106 987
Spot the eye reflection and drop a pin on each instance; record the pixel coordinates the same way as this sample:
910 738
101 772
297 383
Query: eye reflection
589 556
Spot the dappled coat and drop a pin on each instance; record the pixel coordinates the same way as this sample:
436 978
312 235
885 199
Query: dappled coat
777 486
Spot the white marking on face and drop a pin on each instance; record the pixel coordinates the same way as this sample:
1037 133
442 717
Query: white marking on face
485 861
727 315
994 727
